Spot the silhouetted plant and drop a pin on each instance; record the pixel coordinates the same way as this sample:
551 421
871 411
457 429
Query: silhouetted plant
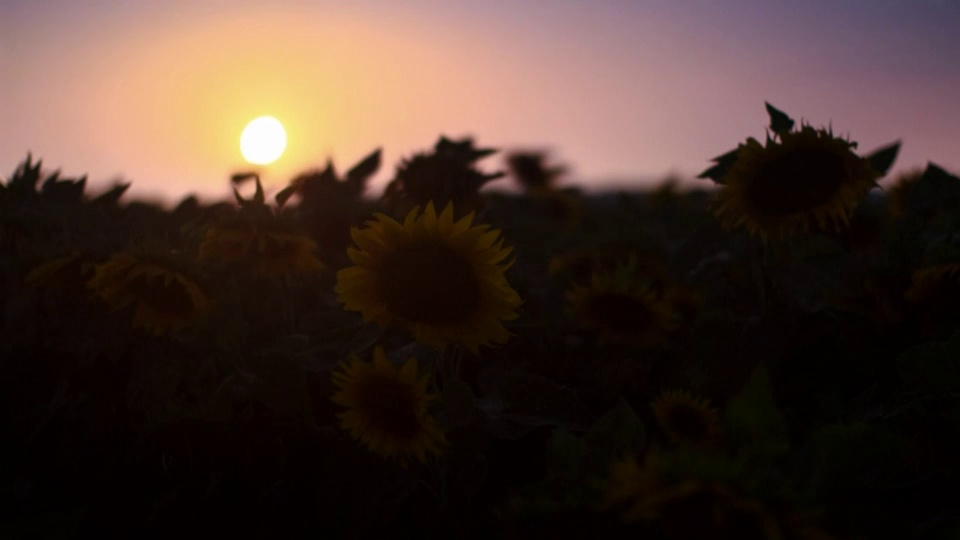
531 171
448 174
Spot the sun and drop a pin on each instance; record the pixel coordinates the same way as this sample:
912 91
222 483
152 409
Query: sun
263 140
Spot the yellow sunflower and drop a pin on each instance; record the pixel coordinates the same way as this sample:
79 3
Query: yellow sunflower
685 508
623 307
387 408
164 299
686 419
803 180
440 279
271 249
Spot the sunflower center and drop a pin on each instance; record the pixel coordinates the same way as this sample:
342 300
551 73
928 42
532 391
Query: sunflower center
390 406
796 182
429 284
620 313
688 422
164 298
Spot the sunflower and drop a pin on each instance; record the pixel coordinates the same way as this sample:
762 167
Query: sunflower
624 307
440 279
580 264
271 249
686 419
448 173
164 300
387 408
801 180
685 507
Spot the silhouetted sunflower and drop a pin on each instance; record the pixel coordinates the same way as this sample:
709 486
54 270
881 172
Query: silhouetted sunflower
270 249
686 419
806 179
442 280
530 170
624 307
164 300
387 408
448 174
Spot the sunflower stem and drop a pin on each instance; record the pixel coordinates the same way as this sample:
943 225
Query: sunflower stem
288 305
436 483
766 286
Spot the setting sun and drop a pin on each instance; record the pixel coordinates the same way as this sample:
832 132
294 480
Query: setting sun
263 140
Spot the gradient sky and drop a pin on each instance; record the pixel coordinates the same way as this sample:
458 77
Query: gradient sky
622 91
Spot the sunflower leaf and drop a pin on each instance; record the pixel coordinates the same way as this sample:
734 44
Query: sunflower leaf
243 177
240 200
617 433
753 423
258 197
284 194
25 178
936 188
565 453
723 164
779 121
112 196
881 160
361 172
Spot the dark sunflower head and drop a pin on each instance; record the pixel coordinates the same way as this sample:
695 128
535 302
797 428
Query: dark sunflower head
796 182
624 306
163 299
269 246
686 419
386 408
448 174
439 278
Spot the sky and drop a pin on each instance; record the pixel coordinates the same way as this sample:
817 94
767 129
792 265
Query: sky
622 92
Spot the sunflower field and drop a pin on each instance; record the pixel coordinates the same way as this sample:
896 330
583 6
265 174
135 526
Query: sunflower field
775 355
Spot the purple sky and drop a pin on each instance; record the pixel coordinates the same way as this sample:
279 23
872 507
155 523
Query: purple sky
622 91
